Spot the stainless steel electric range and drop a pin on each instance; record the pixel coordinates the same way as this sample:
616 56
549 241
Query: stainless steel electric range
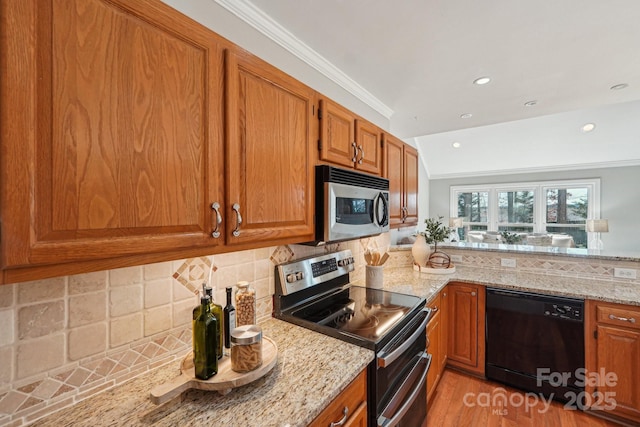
315 293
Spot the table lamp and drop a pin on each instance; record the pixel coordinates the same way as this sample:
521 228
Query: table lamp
597 226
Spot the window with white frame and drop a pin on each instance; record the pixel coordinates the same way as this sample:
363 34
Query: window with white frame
557 209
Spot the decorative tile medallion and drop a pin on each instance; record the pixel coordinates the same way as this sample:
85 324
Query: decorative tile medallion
193 272
282 254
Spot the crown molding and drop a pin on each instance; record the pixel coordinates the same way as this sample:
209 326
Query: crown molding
612 164
262 22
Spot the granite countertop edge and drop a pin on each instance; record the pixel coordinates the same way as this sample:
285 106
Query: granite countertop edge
427 285
312 369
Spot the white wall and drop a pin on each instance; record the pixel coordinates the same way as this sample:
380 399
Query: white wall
229 26
619 199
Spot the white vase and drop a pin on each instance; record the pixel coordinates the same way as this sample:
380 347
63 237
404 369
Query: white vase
420 251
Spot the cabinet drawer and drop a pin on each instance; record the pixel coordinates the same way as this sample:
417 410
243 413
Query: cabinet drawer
627 316
351 398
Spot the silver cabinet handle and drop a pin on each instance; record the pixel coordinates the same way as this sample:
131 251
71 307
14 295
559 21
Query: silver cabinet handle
623 319
355 152
473 294
236 208
435 310
362 156
216 208
345 413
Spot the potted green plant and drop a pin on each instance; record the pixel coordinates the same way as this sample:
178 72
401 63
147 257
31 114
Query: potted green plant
435 232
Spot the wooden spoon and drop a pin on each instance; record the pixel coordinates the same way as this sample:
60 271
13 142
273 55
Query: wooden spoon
376 258
367 257
384 258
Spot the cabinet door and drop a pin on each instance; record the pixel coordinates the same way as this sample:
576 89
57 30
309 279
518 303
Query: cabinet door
410 185
393 171
444 321
269 153
369 145
434 340
337 134
466 327
115 143
612 347
618 352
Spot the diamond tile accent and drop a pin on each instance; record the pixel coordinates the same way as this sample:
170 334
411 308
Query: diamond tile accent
282 254
193 272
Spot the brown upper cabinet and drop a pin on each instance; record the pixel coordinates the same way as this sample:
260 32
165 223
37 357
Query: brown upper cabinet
347 140
270 156
401 168
115 153
115 145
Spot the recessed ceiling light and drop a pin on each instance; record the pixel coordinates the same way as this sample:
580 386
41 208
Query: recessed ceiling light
466 116
619 86
482 80
456 145
530 103
588 127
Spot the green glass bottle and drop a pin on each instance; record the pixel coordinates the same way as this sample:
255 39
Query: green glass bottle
205 328
216 310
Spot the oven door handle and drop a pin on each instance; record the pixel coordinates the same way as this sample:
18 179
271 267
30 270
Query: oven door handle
395 419
385 360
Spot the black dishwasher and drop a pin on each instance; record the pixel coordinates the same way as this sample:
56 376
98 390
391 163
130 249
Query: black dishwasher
536 343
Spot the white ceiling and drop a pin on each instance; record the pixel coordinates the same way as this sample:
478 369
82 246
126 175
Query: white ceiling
415 60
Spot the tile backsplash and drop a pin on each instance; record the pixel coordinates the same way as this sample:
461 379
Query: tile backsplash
67 338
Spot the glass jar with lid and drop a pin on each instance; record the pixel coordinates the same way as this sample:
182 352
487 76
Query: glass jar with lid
245 304
246 348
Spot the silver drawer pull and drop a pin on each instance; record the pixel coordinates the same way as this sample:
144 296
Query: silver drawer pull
236 231
216 207
345 413
355 152
623 319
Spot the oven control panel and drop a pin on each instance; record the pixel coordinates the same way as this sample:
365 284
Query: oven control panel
300 274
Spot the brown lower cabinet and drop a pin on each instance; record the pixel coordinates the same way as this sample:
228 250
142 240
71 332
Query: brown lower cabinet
349 408
437 340
466 347
612 353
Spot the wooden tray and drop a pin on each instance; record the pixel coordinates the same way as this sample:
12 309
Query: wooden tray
450 270
223 382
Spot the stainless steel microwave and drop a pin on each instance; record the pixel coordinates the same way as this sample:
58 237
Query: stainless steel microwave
349 204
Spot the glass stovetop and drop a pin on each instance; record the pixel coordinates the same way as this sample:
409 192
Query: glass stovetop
363 312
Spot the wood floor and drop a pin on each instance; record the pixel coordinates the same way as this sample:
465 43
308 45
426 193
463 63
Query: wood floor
462 401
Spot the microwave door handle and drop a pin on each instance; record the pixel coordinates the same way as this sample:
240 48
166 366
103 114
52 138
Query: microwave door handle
383 421
380 221
387 359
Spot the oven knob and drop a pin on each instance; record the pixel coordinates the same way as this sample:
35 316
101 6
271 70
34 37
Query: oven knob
299 275
342 262
291 278
351 261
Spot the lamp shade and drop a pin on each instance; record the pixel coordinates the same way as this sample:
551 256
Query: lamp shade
455 222
597 225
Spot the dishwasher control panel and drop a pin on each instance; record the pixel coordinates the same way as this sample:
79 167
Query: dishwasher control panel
563 311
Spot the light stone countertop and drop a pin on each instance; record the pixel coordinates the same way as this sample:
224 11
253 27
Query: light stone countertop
312 369
406 280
